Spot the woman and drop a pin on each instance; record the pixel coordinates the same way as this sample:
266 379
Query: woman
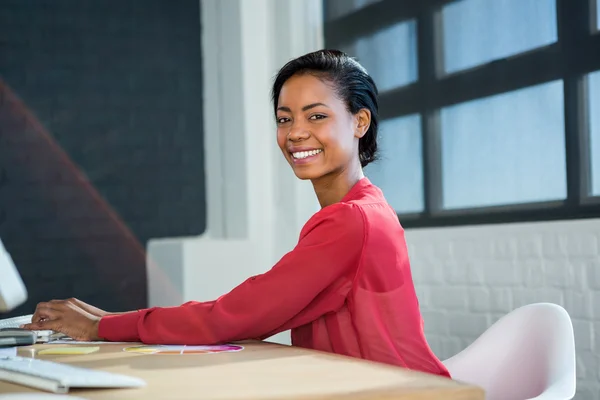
346 287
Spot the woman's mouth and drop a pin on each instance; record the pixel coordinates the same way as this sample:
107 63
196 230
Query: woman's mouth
301 157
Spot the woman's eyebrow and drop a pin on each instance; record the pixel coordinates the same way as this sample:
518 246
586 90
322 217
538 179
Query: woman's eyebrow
313 105
305 108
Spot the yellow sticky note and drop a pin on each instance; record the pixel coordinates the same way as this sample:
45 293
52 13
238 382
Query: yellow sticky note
69 350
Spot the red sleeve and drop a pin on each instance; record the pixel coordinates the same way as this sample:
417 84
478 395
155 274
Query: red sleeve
301 287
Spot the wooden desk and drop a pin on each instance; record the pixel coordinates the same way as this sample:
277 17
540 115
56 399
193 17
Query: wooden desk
260 371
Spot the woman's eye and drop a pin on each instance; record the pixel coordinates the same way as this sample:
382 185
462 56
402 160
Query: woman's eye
282 120
317 116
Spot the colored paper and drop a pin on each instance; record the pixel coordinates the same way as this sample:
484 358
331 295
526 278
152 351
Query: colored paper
183 349
69 350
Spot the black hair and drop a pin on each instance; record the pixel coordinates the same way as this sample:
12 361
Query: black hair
352 84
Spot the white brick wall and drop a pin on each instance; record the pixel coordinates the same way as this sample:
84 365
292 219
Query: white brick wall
468 277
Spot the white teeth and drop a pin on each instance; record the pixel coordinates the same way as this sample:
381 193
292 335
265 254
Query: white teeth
304 154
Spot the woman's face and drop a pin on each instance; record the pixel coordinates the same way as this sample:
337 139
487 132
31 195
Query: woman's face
316 133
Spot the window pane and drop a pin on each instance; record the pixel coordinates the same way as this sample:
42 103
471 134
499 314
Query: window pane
479 31
390 55
399 171
505 149
338 8
594 92
598 14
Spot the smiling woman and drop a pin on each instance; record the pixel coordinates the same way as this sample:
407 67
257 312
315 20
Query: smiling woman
346 287
326 109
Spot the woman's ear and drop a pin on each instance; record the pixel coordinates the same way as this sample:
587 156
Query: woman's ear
363 121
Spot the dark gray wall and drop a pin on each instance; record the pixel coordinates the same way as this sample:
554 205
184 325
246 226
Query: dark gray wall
100 141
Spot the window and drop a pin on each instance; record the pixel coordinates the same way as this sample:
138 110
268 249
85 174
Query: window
479 31
482 104
505 149
389 55
598 14
339 8
594 113
399 171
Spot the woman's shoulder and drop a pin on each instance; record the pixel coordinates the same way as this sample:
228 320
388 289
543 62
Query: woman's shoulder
341 211
364 202
343 215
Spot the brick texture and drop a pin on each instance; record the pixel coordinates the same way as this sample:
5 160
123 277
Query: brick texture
100 142
468 277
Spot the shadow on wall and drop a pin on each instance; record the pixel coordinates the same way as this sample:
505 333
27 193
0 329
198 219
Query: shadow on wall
101 142
63 237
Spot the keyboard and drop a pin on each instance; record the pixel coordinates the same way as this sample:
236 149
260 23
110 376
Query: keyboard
60 378
15 322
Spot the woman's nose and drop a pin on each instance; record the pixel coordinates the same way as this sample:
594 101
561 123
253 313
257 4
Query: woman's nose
298 133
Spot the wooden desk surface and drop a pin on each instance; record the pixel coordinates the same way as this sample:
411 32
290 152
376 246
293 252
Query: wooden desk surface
260 371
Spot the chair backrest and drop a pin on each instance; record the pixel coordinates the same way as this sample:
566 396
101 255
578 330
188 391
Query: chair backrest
524 354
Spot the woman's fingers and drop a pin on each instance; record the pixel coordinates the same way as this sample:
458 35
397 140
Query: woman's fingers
69 320
84 306
88 308
56 325
67 317
40 325
46 310
60 304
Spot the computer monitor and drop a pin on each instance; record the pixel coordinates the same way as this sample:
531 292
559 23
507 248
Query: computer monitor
12 289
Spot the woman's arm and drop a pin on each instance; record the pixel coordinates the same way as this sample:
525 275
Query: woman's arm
305 284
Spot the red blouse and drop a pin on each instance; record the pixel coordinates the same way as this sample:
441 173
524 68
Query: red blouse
346 288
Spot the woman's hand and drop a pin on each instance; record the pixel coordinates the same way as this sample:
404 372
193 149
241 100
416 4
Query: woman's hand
72 317
87 307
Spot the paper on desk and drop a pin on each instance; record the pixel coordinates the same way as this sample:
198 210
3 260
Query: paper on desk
69 350
8 351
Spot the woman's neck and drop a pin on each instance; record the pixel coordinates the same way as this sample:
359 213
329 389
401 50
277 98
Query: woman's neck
332 188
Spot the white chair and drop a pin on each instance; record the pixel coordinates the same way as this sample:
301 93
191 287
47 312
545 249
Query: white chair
527 354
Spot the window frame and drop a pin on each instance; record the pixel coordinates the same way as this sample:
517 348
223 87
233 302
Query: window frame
569 59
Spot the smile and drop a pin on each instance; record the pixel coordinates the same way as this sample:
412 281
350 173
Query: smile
299 155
